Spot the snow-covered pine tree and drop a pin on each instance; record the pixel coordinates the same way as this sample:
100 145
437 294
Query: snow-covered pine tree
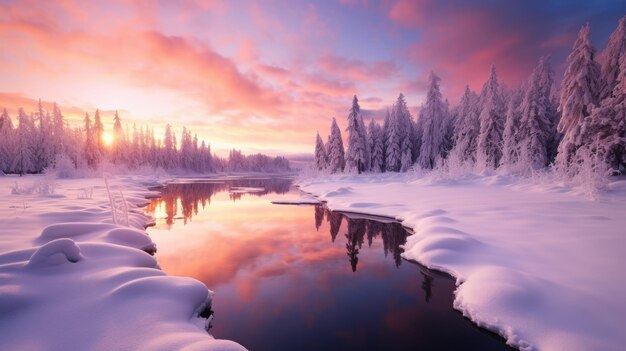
185 150
143 148
169 152
98 135
23 161
376 147
536 128
321 157
398 137
393 154
176 152
611 58
7 149
467 126
384 132
203 167
356 156
448 130
491 117
336 161
42 139
90 148
365 137
405 123
580 89
134 154
433 124
58 130
604 131
510 135
119 141
196 153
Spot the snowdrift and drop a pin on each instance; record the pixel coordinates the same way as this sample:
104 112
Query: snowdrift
83 283
536 262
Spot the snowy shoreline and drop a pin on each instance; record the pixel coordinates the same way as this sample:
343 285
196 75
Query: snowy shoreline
72 279
535 262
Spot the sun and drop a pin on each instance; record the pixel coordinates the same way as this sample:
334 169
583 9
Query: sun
107 139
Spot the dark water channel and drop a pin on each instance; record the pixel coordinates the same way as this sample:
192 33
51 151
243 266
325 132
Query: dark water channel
302 277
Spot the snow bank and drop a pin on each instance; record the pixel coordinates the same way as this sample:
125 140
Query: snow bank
70 279
535 261
302 200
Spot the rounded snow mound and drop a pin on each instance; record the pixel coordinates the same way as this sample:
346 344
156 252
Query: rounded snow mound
55 253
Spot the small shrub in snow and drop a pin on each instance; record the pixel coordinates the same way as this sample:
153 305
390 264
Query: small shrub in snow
63 167
86 193
43 186
589 171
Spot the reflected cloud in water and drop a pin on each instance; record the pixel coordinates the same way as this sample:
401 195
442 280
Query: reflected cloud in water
280 282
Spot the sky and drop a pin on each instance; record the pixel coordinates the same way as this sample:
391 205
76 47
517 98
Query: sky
265 76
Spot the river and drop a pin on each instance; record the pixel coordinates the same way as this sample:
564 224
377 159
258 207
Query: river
302 277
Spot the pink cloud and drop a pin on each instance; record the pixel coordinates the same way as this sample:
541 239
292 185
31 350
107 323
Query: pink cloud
461 44
355 70
408 13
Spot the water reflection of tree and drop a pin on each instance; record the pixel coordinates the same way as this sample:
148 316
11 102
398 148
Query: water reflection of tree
355 236
393 235
334 219
270 186
188 198
319 216
427 286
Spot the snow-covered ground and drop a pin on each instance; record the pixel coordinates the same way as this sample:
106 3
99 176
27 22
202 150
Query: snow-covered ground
70 279
538 262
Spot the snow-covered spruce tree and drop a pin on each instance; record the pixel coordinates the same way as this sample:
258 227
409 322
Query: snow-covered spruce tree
23 160
90 147
491 117
6 142
611 58
376 147
98 133
119 142
357 154
336 161
42 139
399 143
321 158
186 150
405 123
384 133
537 129
433 125
169 151
448 130
365 136
510 135
603 133
58 130
579 94
393 140
467 126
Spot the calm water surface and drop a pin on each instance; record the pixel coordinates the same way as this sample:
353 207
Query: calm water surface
301 277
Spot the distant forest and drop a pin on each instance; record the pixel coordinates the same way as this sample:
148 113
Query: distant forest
43 140
578 128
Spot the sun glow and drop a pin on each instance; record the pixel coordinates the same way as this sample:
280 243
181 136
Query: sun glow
107 139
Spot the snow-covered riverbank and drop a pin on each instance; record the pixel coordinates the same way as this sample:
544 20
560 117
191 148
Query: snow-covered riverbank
539 263
71 279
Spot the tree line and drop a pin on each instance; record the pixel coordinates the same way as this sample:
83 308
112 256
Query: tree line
527 128
44 140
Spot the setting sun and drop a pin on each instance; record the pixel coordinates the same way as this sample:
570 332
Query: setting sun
107 139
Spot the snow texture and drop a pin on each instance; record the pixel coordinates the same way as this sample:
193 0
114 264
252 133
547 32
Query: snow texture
535 261
70 279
